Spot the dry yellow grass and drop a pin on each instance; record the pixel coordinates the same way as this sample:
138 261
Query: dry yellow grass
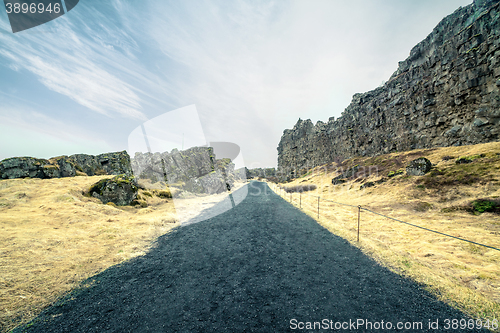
465 275
52 237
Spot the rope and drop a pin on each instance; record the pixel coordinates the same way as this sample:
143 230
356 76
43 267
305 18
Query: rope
339 203
413 225
437 232
313 196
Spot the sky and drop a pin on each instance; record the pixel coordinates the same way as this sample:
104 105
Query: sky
84 82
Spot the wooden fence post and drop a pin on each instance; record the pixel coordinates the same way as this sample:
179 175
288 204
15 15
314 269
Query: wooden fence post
359 213
318 207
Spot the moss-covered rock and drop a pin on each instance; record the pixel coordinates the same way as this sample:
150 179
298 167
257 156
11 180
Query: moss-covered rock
120 190
366 185
419 167
51 171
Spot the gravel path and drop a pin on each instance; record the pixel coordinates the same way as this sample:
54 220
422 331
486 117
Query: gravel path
263 266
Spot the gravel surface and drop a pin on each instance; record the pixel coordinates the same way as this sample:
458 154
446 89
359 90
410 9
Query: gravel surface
263 266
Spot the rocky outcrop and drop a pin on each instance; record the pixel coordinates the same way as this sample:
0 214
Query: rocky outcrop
195 170
104 164
66 166
120 190
29 167
23 167
447 92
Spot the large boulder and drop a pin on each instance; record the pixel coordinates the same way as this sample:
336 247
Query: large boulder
419 167
215 182
120 190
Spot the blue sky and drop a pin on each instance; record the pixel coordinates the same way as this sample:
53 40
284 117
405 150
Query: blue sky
83 82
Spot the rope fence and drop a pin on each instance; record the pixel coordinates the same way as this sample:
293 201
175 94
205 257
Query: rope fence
282 193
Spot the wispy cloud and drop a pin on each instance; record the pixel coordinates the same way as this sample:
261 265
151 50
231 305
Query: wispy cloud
74 62
31 132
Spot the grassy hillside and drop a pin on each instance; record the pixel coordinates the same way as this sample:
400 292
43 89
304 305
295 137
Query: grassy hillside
448 199
52 237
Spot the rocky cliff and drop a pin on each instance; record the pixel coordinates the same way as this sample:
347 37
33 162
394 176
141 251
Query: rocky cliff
195 170
66 166
445 93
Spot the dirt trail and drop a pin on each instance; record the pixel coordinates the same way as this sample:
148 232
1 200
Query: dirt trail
263 266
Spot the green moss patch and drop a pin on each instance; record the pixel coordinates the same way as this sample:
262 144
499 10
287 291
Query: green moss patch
395 173
468 159
98 187
485 205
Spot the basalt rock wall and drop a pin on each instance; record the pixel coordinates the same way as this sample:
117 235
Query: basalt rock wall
195 170
447 92
66 166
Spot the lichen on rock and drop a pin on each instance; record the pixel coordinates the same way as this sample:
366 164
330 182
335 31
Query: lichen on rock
120 190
